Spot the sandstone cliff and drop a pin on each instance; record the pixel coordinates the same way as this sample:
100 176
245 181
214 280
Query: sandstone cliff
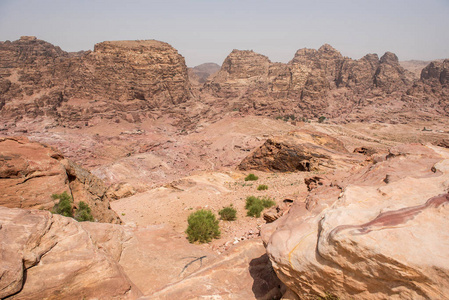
39 79
324 83
31 172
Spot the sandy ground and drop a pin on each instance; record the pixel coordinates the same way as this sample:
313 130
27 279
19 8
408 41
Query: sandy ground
173 203
178 171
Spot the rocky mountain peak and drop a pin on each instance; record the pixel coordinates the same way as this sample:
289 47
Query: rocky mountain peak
389 58
245 64
371 57
38 78
436 71
329 51
130 45
28 38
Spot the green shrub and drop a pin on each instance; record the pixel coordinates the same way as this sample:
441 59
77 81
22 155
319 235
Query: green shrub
83 213
255 210
256 205
321 119
250 200
262 187
267 202
251 177
64 206
228 213
203 227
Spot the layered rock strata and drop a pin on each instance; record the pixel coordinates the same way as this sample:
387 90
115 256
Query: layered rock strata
39 79
323 82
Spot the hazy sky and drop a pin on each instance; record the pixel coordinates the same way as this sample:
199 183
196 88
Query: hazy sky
207 31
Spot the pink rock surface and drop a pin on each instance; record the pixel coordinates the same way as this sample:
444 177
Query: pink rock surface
243 273
382 237
48 256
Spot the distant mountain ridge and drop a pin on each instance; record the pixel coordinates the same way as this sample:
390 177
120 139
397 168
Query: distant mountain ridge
134 80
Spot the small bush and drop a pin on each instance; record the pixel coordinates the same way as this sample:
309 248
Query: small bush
251 177
321 119
228 213
203 227
256 205
250 200
267 202
64 206
83 213
262 187
255 210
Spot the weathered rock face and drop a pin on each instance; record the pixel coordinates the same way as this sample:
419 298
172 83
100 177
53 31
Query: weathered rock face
297 151
319 82
52 257
390 76
40 79
436 72
378 234
31 172
433 87
241 70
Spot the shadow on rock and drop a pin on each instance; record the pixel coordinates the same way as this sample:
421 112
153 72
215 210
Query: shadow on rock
266 285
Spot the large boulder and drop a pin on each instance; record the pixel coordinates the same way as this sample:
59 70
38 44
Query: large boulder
49 256
378 234
298 151
31 172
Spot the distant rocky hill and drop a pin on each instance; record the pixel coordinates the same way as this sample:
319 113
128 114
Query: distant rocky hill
323 82
416 66
201 73
134 80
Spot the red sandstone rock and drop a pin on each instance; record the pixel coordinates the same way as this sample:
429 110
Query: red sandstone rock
31 172
39 79
297 151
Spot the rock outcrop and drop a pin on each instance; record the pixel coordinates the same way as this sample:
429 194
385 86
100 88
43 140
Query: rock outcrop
298 151
52 257
39 79
49 256
324 83
433 87
377 234
244 272
31 172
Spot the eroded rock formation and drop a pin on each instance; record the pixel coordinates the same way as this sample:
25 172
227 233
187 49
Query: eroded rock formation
49 256
39 79
323 82
380 232
298 151
31 172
